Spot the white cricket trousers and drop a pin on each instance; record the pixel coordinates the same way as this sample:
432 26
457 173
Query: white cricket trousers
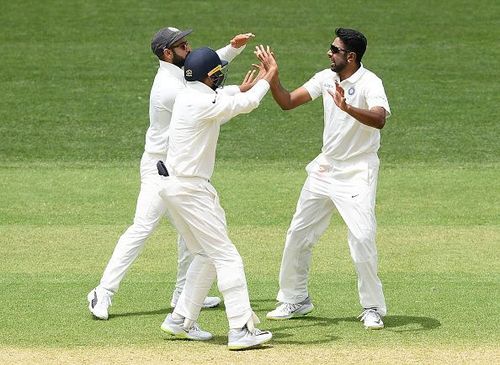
350 187
193 206
148 212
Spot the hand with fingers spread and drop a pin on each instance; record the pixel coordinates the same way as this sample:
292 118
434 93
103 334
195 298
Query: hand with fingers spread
241 39
338 96
266 57
336 177
251 78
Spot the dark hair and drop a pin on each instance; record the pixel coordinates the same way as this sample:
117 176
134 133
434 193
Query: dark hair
353 40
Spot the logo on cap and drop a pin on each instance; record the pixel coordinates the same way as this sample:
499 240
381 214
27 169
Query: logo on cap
173 29
189 73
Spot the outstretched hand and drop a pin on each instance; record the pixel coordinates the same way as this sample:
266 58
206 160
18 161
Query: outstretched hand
338 96
241 39
251 78
266 57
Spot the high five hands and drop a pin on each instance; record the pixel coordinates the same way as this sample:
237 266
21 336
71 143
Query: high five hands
252 77
268 68
267 61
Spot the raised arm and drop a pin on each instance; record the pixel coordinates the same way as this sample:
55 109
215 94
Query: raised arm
244 102
235 47
285 99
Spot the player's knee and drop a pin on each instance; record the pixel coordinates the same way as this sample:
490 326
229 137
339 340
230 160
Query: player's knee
231 280
300 239
363 248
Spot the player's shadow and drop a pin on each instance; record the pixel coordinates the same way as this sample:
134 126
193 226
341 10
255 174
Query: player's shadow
164 311
410 323
289 331
399 323
268 303
141 313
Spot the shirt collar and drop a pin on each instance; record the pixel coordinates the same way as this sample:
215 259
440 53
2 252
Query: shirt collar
172 69
357 75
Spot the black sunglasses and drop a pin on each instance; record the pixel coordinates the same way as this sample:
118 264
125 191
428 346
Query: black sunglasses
182 45
335 49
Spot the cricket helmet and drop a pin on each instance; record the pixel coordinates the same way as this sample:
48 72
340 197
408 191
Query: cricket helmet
203 62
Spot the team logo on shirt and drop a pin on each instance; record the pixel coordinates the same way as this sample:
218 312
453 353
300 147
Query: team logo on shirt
351 91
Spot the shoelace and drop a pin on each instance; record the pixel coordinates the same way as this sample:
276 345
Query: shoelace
289 307
194 327
368 312
258 332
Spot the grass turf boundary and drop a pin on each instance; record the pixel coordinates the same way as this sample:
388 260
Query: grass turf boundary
267 354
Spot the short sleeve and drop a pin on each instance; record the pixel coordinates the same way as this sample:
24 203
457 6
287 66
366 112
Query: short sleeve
315 84
375 96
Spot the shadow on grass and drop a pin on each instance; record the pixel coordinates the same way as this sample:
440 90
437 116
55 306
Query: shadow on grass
158 311
286 331
410 323
311 323
142 313
398 323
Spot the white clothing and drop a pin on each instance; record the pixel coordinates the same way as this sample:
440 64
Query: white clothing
147 216
198 113
194 209
168 82
343 136
193 203
343 176
350 188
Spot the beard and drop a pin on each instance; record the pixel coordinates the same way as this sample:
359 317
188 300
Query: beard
178 60
338 67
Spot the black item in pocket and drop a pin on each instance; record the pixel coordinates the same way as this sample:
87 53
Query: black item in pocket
162 170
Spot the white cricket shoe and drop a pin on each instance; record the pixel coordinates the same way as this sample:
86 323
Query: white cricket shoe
99 302
240 339
289 310
176 329
209 302
371 319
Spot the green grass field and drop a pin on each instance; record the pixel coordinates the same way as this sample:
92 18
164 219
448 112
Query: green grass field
74 85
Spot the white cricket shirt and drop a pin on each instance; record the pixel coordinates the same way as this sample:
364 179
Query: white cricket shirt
198 113
169 80
343 136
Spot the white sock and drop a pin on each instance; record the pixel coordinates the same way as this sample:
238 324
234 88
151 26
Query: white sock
176 317
188 323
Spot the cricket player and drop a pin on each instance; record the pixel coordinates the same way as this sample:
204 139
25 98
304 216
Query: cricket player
171 47
342 177
193 203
